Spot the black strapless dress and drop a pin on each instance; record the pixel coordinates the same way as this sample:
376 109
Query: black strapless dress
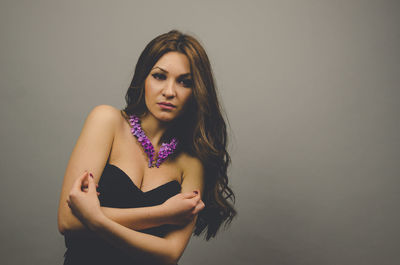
118 191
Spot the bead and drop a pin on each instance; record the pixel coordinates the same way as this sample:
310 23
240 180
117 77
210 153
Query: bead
166 149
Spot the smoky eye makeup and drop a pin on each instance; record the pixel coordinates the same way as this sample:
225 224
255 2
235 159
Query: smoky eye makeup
158 76
187 82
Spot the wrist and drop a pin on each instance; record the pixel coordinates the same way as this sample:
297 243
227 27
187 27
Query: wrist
163 215
98 222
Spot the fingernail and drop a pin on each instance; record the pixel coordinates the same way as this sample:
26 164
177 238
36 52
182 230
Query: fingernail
91 175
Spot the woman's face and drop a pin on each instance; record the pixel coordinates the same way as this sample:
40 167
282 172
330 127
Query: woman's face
168 87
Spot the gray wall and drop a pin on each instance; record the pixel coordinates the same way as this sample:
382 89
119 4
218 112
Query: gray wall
310 88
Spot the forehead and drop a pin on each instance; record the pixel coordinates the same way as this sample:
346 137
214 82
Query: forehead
174 62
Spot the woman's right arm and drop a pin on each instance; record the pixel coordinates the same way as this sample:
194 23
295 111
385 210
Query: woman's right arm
90 154
133 218
174 211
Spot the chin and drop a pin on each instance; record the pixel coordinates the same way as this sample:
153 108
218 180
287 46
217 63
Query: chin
166 117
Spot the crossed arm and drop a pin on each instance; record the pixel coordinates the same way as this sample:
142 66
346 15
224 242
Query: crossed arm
178 210
118 226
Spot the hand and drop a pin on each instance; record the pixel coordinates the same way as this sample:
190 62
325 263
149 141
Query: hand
85 183
84 204
183 207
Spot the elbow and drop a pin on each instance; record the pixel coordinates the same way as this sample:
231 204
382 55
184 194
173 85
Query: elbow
168 256
61 222
164 258
61 231
173 257
62 228
64 225
171 261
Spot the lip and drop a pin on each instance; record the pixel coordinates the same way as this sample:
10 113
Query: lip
166 105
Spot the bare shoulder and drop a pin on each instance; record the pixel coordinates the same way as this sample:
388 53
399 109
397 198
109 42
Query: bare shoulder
105 117
96 138
193 172
190 163
106 113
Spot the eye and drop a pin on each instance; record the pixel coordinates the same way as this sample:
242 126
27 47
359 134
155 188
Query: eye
158 76
186 83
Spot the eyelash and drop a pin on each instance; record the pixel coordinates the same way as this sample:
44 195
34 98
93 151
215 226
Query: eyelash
159 76
186 82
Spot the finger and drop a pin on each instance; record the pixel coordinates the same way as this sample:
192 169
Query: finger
92 184
78 182
197 198
86 186
200 206
85 183
189 195
86 189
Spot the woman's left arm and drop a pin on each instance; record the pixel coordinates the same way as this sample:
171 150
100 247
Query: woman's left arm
167 250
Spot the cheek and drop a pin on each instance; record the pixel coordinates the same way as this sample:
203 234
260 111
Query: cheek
149 90
148 95
187 97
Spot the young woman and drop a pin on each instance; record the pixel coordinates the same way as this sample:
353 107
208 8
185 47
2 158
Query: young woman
160 164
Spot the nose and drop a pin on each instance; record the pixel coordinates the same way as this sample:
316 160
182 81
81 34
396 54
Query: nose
169 90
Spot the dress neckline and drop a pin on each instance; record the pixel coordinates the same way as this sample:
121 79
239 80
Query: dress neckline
174 181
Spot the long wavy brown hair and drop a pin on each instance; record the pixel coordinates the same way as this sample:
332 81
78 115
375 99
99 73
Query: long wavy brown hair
201 130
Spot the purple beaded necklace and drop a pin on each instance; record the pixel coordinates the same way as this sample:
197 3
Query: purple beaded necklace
166 149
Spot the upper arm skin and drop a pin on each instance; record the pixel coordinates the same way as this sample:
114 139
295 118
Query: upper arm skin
90 153
193 180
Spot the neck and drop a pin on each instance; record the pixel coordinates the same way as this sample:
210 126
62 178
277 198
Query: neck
153 128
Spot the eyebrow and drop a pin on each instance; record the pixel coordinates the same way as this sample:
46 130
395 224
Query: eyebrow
165 71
